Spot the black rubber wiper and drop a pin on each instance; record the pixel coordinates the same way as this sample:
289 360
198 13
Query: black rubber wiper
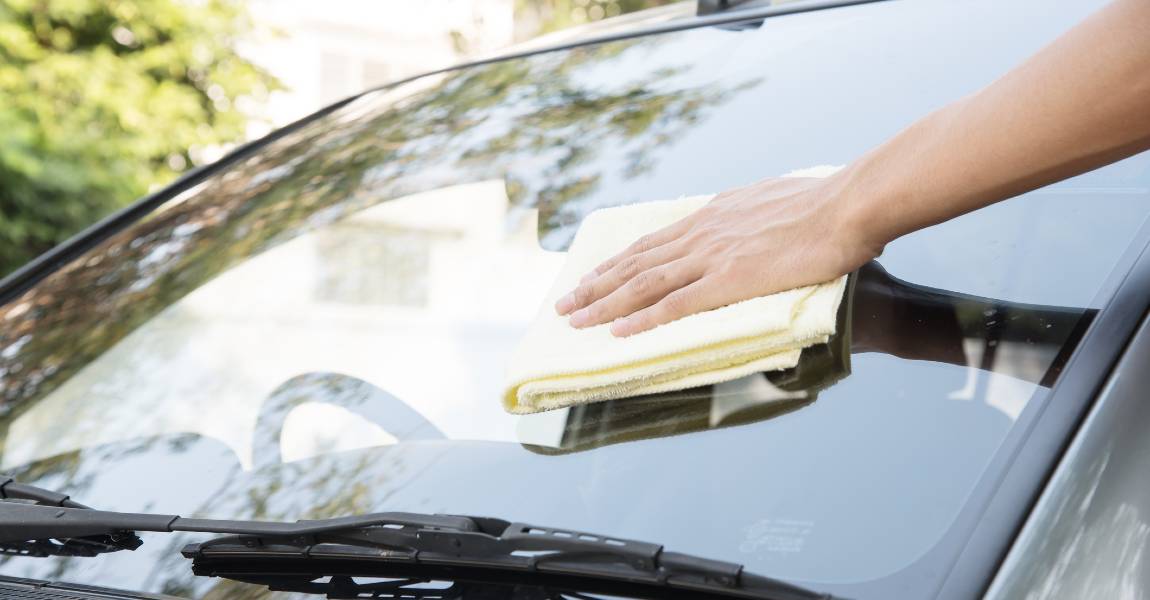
75 545
475 549
293 556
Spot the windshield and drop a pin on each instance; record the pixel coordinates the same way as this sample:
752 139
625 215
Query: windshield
322 328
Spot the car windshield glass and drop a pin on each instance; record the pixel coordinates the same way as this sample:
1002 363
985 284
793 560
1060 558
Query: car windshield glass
321 327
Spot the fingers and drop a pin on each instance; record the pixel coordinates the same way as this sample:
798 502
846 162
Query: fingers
703 294
639 292
595 288
644 244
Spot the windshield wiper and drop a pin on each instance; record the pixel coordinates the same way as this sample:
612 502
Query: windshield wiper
475 549
76 545
292 556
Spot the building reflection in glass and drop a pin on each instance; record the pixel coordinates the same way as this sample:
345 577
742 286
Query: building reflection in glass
448 291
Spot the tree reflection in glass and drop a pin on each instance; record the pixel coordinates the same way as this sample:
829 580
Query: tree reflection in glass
539 124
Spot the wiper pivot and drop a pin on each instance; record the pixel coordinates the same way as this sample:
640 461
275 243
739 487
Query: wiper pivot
29 511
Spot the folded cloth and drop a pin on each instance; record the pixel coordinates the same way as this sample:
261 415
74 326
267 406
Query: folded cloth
556 365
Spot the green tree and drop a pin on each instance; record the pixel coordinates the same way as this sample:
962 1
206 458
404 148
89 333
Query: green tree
101 100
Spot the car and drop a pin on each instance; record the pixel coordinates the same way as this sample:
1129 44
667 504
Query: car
280 376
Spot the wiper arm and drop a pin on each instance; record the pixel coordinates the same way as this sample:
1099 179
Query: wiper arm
404 545
77 545
477 549
10 489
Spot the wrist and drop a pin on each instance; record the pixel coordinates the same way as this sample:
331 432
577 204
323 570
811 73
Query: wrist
858 215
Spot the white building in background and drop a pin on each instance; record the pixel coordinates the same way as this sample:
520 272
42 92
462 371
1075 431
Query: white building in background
325 51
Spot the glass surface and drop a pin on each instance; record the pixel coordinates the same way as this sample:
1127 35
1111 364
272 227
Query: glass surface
322 328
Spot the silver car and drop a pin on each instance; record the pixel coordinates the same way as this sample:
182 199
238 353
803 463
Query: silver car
280 376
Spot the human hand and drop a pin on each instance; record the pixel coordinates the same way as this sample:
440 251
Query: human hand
771 236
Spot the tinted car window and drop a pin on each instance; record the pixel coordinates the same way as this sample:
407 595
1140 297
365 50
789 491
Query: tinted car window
321 327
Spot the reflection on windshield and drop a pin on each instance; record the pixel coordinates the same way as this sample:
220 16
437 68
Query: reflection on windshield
538 125
881 314
337 341
1026 341
321 328
400 293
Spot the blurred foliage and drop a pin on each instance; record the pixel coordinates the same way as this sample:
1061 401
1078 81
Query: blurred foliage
552 15
547 127
102 99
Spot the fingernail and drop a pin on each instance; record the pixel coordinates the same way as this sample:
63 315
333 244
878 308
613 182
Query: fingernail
620 327
565 304
580 318
587 277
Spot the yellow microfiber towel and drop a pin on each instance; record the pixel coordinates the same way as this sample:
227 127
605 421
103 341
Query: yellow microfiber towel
556 365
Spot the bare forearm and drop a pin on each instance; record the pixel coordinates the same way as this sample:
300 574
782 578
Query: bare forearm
1080 103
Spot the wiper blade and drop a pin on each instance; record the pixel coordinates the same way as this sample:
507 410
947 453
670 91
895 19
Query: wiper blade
481 550
341 586
404 545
